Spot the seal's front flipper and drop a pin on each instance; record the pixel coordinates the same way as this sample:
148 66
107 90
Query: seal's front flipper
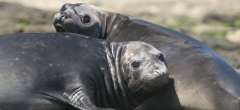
81 101
78 99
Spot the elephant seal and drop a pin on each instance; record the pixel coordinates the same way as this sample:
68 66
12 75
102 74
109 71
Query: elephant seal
70 71
199 78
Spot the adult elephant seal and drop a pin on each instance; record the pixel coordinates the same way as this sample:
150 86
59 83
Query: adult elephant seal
200 78
69 71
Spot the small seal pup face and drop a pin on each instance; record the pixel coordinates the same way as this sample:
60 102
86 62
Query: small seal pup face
77 18
145 66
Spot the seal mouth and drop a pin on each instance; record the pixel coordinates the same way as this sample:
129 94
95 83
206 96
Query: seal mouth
155 80
152 82
59 28
63 23
58 21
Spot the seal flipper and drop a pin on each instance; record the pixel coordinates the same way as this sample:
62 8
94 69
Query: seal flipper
80 100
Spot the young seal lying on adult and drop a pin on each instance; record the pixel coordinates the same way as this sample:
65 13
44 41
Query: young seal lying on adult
70 71
202 79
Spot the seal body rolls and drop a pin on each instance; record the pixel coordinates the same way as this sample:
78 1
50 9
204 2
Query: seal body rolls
70 71
200 78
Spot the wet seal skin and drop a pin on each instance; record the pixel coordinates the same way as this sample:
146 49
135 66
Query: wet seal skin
199 78
52 71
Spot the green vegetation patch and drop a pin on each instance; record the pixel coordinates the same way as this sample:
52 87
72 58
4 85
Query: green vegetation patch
22 22
215 35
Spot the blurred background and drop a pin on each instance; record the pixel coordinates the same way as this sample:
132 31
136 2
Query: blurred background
213 22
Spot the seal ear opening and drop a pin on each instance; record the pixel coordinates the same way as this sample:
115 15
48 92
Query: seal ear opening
162 58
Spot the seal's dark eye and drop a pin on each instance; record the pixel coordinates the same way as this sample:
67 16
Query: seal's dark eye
135 64
86 19
161 57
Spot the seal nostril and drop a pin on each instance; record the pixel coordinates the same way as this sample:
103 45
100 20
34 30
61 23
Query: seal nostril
156 71
61 16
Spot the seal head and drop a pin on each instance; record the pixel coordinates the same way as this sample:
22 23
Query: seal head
85 22
146 68
138 70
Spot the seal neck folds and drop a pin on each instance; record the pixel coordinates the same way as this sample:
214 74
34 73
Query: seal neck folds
120 92
110 23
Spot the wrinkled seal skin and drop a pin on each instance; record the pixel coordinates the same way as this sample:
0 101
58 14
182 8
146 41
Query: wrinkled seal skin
69 71
200 78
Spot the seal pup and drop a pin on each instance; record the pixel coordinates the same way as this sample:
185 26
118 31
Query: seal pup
200 78
71 71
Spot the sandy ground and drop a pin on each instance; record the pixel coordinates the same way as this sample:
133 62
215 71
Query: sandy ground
194 8
157 11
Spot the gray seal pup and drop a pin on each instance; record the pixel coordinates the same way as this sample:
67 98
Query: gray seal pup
71 71
199 77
